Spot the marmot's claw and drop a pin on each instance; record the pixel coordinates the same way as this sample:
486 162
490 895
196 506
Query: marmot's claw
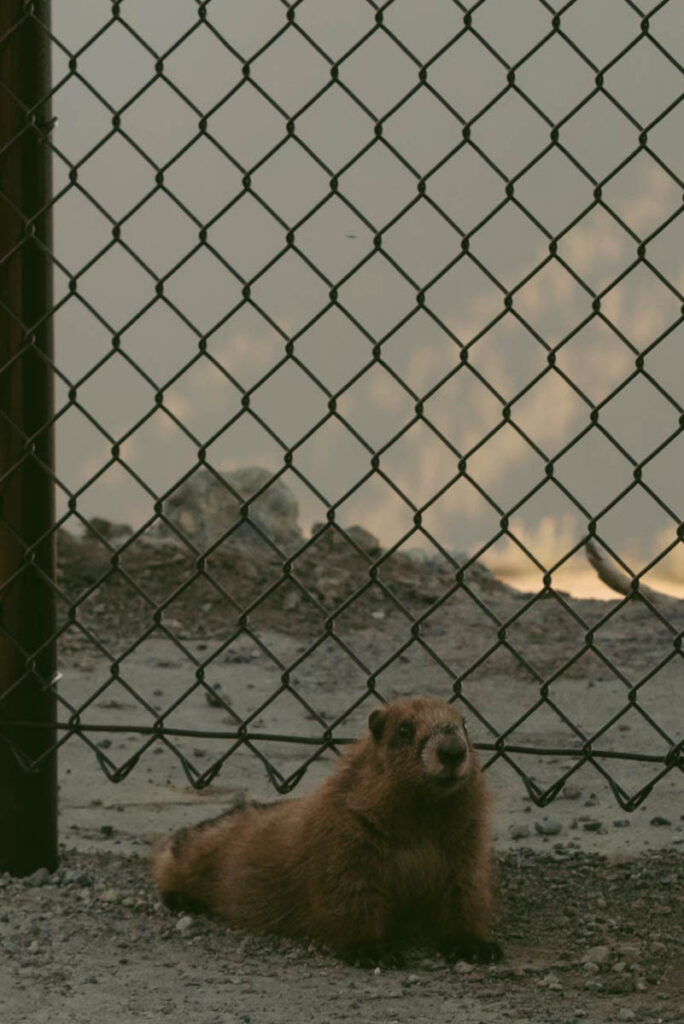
372 955
475 951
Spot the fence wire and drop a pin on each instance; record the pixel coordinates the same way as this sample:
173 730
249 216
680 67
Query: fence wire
153 593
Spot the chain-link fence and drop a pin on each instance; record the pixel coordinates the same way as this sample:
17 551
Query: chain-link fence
397 259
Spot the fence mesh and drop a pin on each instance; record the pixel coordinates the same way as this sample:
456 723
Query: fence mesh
237 587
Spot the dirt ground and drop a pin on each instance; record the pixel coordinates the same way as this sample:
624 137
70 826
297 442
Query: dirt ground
587 938
591 897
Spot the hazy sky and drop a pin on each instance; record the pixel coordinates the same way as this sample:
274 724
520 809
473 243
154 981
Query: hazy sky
421 234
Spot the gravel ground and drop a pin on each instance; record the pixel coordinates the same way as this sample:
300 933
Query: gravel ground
586 938
591 898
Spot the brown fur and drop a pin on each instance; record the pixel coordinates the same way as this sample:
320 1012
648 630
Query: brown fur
393 847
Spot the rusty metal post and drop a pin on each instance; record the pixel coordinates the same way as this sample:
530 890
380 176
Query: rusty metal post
28 770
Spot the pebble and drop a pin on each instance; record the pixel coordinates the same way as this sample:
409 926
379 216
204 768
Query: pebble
659 821
39 877
570 792
292 601
519 831
620 985
626 1014
109 896
72 876
597 955
548 827
594 825
184 923
622 823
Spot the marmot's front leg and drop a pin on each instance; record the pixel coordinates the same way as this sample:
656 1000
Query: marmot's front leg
464 927
358 929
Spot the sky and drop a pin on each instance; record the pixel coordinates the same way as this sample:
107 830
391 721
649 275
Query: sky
503 407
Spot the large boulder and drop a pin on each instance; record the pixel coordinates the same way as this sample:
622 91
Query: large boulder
208 503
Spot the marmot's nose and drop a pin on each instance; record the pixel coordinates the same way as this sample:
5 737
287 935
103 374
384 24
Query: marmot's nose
451 750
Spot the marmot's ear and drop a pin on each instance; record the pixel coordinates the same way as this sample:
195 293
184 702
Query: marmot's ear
376 722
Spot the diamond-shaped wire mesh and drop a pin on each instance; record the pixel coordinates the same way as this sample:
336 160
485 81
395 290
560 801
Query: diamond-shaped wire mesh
438 279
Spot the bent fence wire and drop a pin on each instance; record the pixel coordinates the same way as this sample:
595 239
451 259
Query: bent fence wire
55 610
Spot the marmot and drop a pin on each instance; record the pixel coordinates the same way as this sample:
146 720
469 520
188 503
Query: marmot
392 848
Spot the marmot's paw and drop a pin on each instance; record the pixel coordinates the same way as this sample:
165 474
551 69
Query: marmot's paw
372 955
475 951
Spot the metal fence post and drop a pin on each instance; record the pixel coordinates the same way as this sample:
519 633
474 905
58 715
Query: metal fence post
28 798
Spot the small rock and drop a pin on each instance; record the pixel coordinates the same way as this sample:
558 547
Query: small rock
362 537
184 923
590 968
594 825
622 823
630 953
519 831
620 985
626 1014
110 531
292 600
659 821
463 967
74 876
571 792
39 877
552 982
597 955
109 896
548 827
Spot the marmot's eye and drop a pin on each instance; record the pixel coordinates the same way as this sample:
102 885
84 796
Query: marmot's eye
405 730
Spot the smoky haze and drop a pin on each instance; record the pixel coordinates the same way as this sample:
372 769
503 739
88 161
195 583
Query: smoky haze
205 137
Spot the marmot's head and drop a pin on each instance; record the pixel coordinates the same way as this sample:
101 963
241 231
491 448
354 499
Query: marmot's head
424 740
